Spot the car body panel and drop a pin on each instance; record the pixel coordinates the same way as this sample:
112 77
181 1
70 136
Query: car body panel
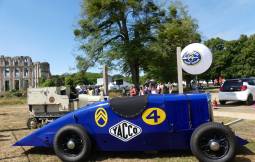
183 112
234 96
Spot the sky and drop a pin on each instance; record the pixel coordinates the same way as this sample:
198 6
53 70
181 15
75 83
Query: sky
43 29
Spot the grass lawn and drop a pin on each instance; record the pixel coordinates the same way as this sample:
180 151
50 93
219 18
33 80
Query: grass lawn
13 100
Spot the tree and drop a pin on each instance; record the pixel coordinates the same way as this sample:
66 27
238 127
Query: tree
120 31
80 78
245 60
92 77
232 59
217 47
178 30
48 83
82 63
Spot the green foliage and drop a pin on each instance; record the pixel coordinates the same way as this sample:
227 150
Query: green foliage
92 77
48 83
117 76
118 30
232 59
82 63
14 93
55 80
79 78
178 31
137 35
69 81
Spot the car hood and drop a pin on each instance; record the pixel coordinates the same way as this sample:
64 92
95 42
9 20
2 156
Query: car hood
44 136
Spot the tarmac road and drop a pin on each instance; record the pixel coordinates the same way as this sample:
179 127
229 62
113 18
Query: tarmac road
234 109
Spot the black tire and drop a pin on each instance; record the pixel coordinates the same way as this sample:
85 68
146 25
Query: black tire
249 100
222 102
79 137
32 123
205 150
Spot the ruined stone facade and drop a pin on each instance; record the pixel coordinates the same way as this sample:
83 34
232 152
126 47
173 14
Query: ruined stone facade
20 73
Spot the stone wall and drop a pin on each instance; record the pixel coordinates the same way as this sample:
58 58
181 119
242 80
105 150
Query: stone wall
20 72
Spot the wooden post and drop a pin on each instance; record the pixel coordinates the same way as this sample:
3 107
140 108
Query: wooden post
179 69
105 79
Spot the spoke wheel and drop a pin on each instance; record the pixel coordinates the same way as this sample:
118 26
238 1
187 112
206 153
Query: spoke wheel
213 142
32 123
214 145
71 143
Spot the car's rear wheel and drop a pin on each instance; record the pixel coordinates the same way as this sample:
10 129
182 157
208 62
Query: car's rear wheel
213 142
249 100
222 102
72 143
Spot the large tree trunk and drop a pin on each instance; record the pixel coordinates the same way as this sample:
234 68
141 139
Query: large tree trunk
133 63
134 68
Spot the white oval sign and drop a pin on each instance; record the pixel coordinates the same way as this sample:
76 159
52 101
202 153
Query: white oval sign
196 58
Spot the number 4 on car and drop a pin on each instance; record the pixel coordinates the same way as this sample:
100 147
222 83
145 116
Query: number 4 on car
141 123
154 116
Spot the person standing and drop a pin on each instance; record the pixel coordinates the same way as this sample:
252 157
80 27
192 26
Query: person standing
101 89
154 90
123 91
96 91
170 87
158 88
90 92
141 92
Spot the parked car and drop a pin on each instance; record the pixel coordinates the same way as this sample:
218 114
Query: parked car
238 90
140 123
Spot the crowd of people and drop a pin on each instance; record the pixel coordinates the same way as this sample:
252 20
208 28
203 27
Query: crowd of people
91 90
151 87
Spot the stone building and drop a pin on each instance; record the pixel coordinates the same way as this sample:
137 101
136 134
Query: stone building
20 72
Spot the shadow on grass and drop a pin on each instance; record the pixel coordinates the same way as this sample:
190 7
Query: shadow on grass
101 156
16 129
242 159
2 136
11 157
233 103
245 151
40 150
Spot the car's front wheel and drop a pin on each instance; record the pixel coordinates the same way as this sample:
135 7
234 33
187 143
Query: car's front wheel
222 102
213 142
72 143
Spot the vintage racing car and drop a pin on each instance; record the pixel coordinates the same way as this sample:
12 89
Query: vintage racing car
141 123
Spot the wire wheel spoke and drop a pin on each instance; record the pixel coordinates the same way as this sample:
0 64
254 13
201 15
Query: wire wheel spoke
204 145
78 142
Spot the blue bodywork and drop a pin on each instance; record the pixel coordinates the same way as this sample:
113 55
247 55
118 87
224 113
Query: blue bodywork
184 113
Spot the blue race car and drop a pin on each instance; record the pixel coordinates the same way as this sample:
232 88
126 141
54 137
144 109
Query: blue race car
141 123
